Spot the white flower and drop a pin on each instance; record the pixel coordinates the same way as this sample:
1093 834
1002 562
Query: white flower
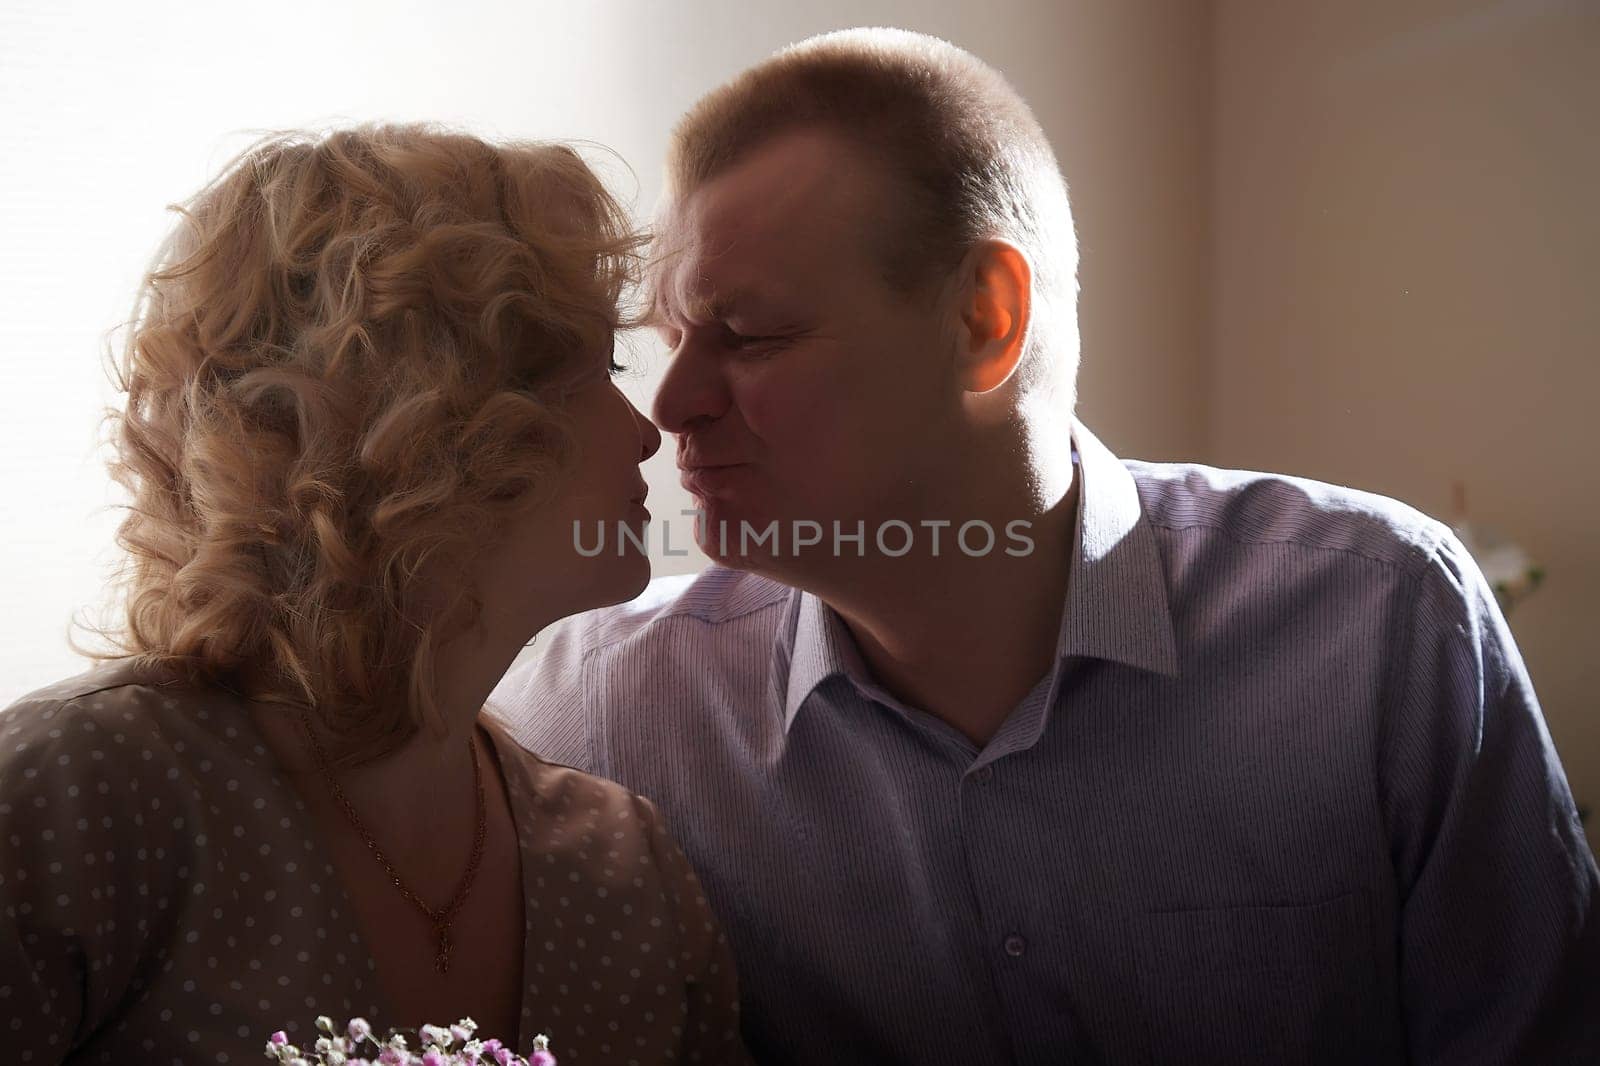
438 1046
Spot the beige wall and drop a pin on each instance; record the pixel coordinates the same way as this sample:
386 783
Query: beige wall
1405 268
1127 105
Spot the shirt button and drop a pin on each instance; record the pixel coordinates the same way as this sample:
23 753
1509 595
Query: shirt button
983 774
1015 946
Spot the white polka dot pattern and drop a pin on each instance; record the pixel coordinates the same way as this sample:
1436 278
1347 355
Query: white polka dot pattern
162 898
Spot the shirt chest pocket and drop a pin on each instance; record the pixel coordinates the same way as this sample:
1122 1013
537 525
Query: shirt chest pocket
1287 985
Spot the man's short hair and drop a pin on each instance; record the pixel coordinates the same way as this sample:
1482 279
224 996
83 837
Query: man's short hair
974 160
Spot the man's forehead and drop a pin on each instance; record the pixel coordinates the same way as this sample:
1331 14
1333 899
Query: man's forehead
806 170
708 293
727 245
713 265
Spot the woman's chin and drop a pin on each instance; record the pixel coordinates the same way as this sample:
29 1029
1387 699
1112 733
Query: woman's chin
622 579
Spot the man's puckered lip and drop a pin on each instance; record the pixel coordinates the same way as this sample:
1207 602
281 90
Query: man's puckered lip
708 480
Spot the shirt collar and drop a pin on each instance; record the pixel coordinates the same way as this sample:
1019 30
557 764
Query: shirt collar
819 647
1116 606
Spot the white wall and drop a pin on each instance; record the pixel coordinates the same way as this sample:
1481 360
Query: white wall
111 111
1406 268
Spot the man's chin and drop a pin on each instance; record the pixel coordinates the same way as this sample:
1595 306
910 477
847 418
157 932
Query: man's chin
734 537
764 546
750 562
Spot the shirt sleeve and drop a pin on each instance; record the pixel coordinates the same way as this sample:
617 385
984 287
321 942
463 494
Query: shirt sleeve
711 1028
75 933
1499 932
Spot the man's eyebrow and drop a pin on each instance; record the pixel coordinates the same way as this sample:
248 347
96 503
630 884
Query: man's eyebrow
710 306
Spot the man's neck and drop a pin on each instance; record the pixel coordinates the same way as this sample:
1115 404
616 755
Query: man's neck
962 638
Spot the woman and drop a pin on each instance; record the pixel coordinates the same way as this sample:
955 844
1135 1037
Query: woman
367 403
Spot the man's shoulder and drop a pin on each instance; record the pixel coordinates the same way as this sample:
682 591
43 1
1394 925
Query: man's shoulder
715 600
1251 508
666 640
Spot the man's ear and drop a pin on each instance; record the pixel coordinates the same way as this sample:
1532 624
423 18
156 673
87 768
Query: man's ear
996 302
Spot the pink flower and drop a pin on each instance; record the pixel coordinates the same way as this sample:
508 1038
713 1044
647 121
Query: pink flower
542 1058
280 1038
433 1058
358 1029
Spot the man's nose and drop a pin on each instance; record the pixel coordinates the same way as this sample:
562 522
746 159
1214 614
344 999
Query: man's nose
692 391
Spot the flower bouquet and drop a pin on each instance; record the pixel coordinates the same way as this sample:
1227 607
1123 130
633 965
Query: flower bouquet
454 1045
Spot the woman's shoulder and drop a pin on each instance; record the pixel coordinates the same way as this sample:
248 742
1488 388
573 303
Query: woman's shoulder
578 792
121 727
77 714
93 791
587 817
105 678
615 848
115 691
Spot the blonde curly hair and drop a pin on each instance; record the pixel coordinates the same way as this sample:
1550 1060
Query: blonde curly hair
346 370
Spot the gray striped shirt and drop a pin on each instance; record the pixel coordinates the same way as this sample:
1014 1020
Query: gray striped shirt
1286 797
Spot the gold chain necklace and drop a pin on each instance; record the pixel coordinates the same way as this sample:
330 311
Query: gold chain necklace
441 918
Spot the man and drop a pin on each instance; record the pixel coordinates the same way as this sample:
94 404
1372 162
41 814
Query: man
992 748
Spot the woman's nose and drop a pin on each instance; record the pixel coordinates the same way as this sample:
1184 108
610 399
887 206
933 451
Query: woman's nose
649 435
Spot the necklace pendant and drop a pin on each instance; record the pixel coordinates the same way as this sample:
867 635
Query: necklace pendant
440 919
441 962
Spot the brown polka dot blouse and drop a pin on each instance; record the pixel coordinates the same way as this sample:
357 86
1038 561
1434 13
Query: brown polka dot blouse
162 898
